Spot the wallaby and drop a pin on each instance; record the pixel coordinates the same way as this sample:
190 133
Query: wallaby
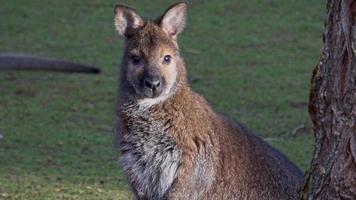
172 144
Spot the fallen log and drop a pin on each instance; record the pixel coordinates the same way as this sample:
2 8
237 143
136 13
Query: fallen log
14 61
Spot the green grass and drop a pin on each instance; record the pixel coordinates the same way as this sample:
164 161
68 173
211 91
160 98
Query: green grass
251 59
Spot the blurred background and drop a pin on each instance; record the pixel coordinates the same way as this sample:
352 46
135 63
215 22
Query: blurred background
251 59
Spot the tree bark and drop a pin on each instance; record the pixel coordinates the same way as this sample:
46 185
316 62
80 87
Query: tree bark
332 108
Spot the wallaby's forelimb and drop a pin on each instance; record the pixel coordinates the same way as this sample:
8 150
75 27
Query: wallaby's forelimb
14 61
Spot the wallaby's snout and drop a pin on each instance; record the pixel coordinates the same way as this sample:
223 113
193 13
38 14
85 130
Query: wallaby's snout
152 83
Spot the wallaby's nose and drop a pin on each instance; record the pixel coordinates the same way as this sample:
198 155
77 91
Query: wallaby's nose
152 83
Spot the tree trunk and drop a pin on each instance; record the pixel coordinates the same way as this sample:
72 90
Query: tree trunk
332 108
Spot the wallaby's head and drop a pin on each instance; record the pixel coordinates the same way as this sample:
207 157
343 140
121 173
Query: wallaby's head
151 66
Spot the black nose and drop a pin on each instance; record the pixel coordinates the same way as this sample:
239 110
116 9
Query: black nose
152 83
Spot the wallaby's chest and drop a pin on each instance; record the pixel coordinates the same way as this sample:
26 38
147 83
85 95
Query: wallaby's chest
150 158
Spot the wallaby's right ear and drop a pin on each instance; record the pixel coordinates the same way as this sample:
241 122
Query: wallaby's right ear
127 20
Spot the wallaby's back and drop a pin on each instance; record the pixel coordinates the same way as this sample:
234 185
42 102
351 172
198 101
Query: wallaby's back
253 167
230 162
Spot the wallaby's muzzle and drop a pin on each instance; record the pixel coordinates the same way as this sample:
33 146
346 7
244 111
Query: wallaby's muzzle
152 84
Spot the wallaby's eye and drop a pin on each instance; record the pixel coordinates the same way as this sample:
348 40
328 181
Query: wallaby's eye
135 60
167 59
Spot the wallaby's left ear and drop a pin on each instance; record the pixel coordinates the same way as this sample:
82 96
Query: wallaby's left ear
127 20
173 20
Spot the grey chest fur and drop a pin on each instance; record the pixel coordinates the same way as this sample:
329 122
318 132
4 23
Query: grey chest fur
150 158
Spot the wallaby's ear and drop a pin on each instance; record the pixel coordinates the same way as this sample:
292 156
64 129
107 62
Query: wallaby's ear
173 20
127 20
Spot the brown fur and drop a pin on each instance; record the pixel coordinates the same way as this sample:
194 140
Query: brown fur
220 159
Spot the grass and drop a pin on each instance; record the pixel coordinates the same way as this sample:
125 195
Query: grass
251 59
